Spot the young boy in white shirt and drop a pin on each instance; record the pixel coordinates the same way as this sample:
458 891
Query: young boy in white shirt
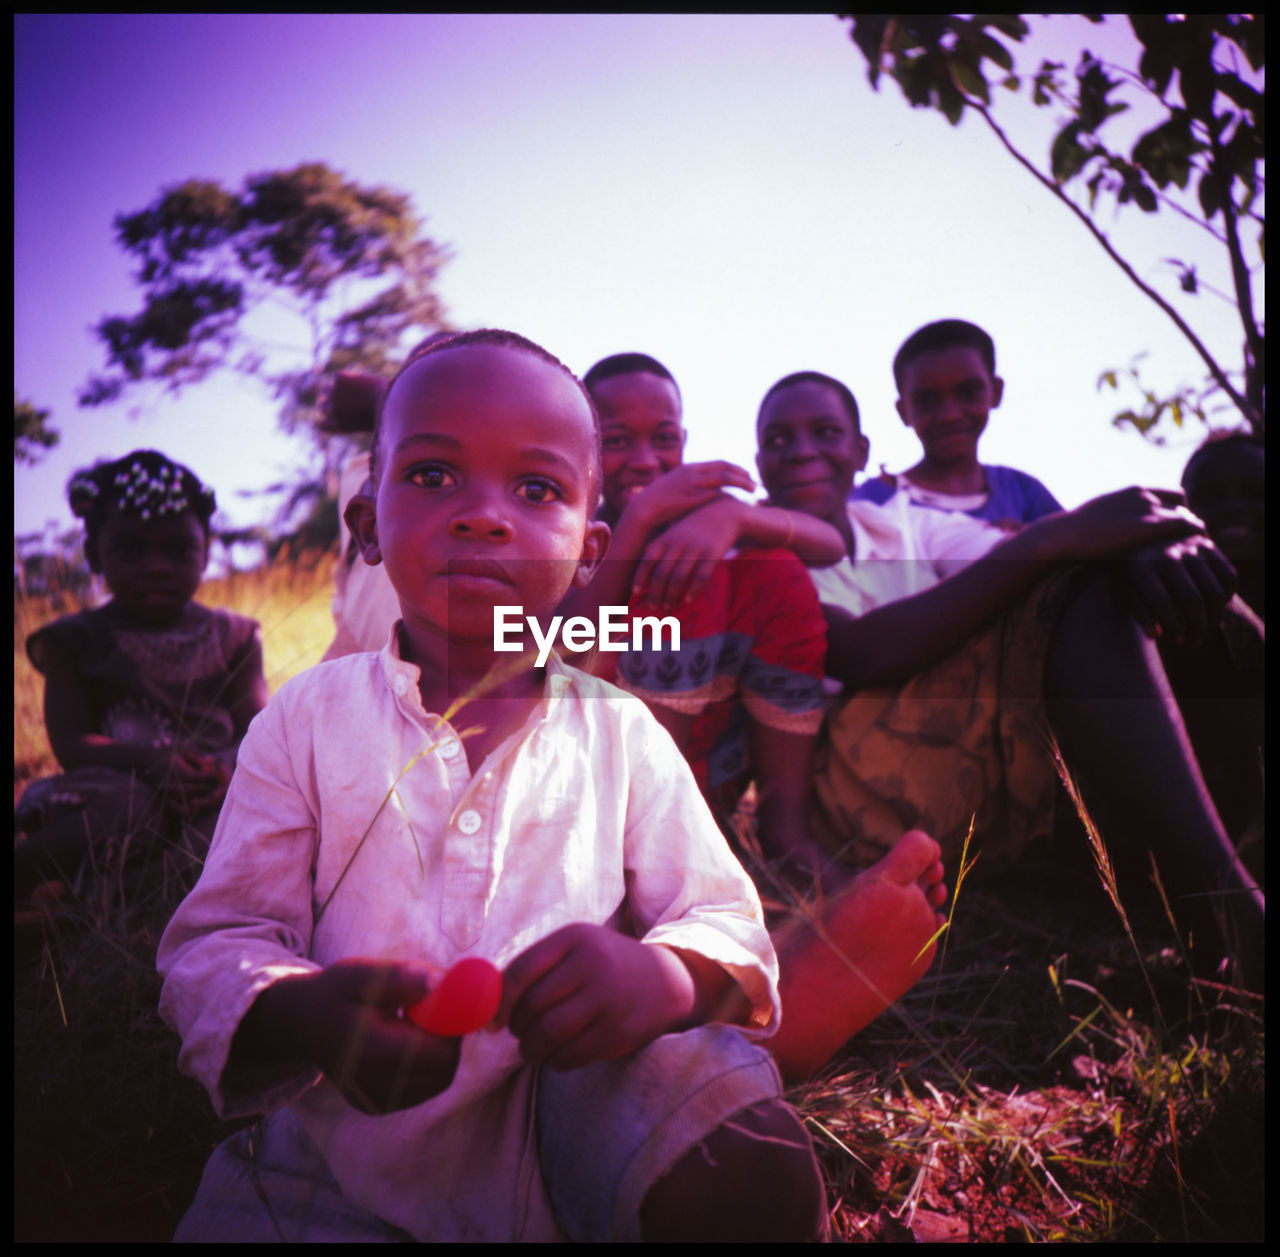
393 813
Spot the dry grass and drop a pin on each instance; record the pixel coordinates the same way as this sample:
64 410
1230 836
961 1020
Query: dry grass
1051 1081
1052 1078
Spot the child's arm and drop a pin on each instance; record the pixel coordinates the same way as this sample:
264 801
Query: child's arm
894 642
346 1022
669 498
586 994
678 562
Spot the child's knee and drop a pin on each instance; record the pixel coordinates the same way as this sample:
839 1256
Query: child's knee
753 1178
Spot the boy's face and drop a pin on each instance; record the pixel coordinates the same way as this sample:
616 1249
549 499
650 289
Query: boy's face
152 566
810 449
946 397
484 491
642 434
1226 487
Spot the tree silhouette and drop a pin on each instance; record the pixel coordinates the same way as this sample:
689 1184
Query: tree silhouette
220 270
32 433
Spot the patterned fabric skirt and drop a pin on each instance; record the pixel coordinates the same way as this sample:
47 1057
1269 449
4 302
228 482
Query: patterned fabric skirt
965 741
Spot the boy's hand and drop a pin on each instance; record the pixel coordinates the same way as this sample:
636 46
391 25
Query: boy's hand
1179 589
346 1019
687 487
678 562
586 994
1120 522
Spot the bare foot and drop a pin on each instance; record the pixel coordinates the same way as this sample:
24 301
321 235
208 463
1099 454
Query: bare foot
841 969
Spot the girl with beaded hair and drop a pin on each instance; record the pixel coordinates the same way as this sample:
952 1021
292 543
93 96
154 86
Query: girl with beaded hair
146 697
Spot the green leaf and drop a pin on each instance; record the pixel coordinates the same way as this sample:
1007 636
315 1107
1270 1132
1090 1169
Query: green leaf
1210 199
1010 24
970 80
993 50
1067 155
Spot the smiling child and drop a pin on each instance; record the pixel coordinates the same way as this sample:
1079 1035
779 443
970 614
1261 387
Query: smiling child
947 389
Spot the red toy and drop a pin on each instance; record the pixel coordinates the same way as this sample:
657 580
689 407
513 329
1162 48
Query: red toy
465 999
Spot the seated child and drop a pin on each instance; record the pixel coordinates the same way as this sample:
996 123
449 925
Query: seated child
743 700
953 678
394 812
947 389
364 603
1225 482
147 697
743 695
1219 686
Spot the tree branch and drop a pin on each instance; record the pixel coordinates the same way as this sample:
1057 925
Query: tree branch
1240 402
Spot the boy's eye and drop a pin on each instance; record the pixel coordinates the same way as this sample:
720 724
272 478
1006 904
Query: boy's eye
430 477
616 441
539 491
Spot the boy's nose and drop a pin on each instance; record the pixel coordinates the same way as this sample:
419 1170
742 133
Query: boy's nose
643 458
481 516
801 449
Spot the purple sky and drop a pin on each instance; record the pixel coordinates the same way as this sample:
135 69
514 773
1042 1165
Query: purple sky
726 193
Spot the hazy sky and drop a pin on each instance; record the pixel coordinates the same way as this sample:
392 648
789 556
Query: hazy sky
726 193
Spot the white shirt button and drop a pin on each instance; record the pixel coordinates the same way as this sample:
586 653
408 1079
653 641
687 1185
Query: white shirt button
469 821
450 748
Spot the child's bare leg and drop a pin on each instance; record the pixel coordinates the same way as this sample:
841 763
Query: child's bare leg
1118 725
841 970
754 1179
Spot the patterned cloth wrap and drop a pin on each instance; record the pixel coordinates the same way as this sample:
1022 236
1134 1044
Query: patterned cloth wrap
964 739
752 646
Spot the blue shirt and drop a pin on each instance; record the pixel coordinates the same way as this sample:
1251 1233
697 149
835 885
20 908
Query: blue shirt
1012 495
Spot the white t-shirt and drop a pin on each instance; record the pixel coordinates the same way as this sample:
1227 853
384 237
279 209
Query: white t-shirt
898 550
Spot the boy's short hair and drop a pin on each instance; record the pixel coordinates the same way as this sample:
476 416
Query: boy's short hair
816 377
944 334
145 483
503 340
627 364
1218 441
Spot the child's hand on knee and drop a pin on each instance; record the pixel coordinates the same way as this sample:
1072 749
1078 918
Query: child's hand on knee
586 994
347 1020
1180 588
